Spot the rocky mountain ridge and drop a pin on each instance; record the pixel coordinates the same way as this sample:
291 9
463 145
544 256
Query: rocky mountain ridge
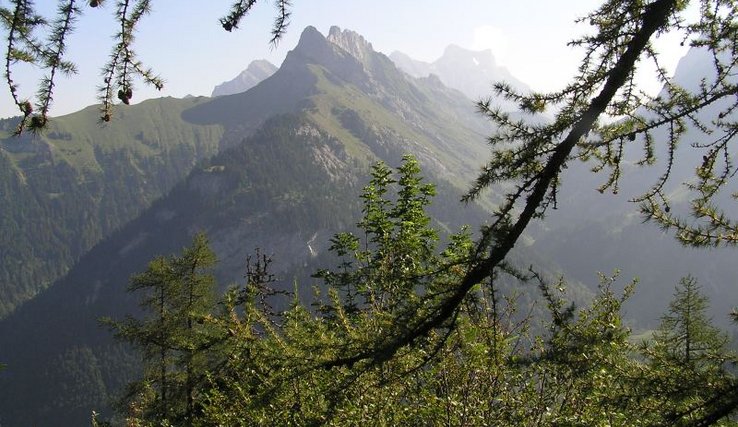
469 71
254 74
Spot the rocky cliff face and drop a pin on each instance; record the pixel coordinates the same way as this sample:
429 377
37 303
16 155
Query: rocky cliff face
351 42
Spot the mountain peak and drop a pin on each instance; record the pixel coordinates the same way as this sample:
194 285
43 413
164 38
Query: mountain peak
481 58
351 42
345 44
697 68
260 66
310 40
255 73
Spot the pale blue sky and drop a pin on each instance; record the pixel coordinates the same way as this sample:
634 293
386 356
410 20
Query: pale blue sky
183 41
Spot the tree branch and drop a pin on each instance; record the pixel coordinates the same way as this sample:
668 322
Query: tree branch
654 18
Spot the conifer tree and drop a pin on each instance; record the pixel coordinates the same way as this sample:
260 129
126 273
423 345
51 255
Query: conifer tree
688 362
178 296
686 336
254 366
397 252
154 335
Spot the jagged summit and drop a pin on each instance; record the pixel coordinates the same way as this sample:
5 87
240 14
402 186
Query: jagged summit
341 47
295 81
313 47
319 67
351 42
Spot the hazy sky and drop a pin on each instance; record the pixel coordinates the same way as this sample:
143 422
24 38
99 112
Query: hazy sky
183 41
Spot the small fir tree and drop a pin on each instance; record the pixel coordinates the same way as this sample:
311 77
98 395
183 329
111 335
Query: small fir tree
173 337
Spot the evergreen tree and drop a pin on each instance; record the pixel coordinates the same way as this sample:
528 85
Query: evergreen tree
154 335
686 335
397 255
178 297
688 376
192 305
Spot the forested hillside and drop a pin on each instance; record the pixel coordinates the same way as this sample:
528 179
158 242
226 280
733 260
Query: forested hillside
63 191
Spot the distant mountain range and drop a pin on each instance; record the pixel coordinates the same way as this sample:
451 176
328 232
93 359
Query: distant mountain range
468 71
471 72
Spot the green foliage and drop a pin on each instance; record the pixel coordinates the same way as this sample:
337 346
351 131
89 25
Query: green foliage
404 333
689 359
178 298
686 335
490 366
398 248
